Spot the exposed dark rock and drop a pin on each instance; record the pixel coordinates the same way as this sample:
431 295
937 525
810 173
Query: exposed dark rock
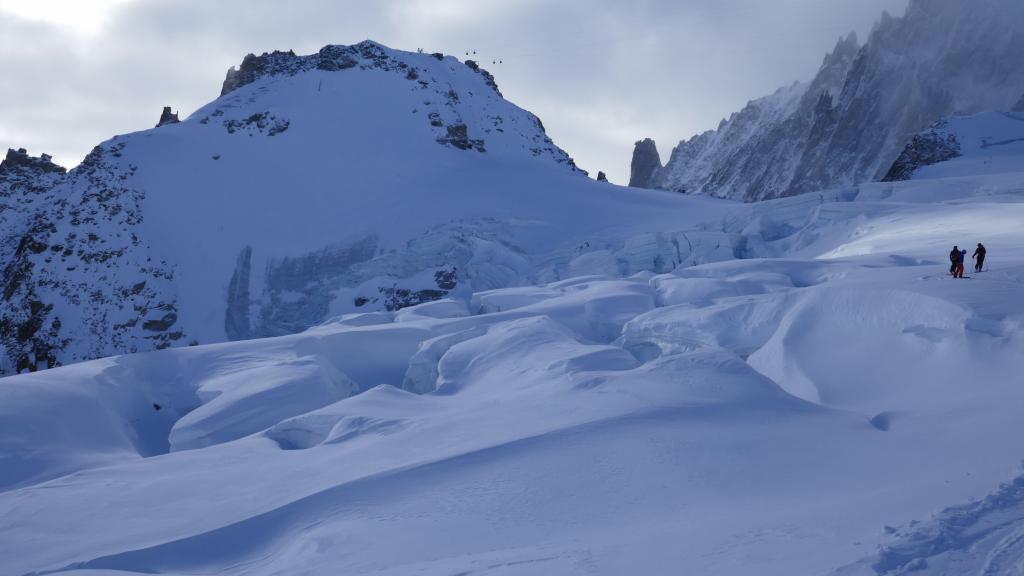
366 55
645 165
458 137
167 117
488 78
20 158
160 324
397 298
254 67
261 122
446 279
53 223
601 177
333 58
925 149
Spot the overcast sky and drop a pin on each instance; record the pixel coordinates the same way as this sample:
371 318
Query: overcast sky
600 74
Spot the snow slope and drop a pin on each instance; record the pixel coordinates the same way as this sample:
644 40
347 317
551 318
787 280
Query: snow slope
848 124
786 414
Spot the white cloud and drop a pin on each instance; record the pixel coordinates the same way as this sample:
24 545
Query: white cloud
78 15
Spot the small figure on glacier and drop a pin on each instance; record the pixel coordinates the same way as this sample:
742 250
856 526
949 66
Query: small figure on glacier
979 257
956 262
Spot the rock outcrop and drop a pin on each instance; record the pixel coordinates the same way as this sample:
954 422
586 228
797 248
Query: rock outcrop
167 117
987 142
28 333
78 280
930 147
646 164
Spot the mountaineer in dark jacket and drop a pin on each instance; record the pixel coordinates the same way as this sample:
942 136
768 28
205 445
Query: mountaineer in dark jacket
979 257
956 262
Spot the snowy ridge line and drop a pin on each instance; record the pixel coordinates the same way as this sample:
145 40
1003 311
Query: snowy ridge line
333 57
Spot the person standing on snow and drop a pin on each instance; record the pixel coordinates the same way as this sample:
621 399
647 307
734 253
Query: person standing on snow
956 262
979 257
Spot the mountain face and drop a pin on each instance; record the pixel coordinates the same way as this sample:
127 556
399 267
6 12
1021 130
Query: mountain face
848 125
358 179
26 198
77 276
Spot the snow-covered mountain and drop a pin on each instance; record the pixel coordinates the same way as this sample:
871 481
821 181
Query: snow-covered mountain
359 178
848 125
802 413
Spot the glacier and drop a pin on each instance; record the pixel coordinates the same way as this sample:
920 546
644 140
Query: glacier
835 405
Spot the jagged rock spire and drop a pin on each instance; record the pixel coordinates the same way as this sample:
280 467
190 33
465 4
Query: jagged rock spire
167 117
646 164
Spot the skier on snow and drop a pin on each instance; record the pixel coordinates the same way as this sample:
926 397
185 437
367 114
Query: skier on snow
979 257
956 260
